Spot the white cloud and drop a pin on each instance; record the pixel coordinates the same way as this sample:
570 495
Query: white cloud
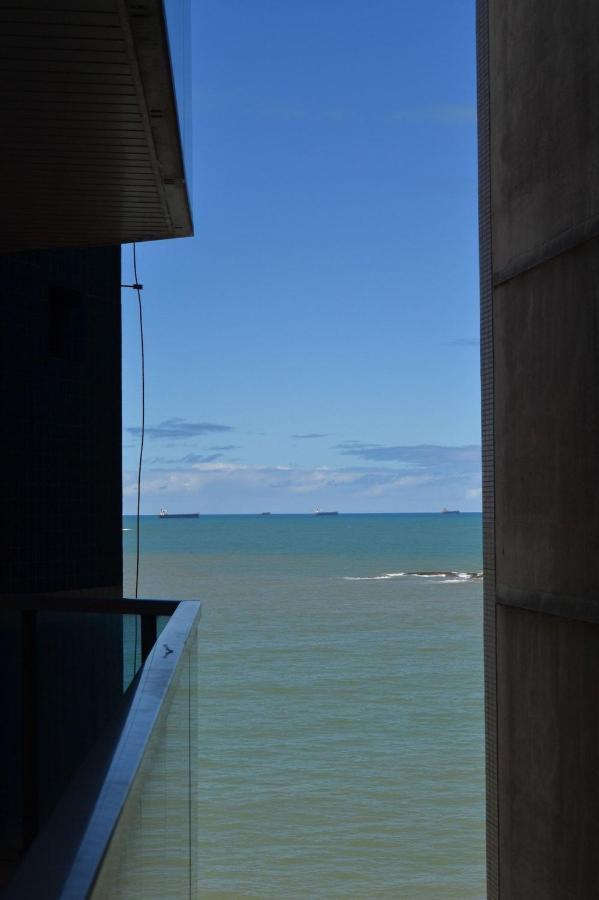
235 487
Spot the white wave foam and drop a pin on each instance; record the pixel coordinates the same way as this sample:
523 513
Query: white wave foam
460 577
373 577
442 577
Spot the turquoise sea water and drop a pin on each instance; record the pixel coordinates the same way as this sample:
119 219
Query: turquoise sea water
341 702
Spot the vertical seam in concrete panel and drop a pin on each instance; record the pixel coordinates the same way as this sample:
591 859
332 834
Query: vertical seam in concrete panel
488 440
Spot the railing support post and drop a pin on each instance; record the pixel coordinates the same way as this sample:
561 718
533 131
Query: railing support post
149 633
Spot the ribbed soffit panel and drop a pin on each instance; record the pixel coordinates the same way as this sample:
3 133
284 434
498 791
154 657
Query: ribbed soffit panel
91 150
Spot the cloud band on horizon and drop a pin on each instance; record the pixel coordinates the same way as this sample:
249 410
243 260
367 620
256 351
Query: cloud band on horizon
180 428
419 455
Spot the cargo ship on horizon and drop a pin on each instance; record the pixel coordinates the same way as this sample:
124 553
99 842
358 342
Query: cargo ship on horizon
163 514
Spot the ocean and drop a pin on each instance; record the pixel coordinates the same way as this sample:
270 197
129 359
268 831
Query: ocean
341 700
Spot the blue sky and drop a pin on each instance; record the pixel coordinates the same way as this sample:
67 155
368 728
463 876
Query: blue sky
316 342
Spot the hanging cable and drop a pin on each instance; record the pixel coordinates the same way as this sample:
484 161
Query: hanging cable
137 287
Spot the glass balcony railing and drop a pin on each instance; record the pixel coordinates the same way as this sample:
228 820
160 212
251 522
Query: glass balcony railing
126 825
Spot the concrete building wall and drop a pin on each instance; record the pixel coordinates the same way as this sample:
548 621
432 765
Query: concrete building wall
548 731
539 147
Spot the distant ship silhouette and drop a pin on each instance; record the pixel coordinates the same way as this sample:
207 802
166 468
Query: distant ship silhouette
163 514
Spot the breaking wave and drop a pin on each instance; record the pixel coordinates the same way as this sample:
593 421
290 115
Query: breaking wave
443 577
374 577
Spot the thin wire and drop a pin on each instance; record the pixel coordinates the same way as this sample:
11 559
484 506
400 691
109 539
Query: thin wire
141 445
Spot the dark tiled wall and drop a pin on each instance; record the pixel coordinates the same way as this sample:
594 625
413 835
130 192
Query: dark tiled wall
60 408
60 515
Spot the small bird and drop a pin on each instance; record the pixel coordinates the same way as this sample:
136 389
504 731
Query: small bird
167 649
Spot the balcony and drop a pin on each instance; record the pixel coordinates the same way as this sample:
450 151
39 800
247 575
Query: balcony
125 825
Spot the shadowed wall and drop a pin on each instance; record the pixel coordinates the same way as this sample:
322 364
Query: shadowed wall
60 408
539 145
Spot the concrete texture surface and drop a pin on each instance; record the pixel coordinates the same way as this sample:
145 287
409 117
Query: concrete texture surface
544 126
546 328
548 727
540 239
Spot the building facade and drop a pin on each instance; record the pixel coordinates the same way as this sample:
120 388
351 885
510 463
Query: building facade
538 66
93 156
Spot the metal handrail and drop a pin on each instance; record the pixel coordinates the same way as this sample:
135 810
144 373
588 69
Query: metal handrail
64 860
29 606
127 606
